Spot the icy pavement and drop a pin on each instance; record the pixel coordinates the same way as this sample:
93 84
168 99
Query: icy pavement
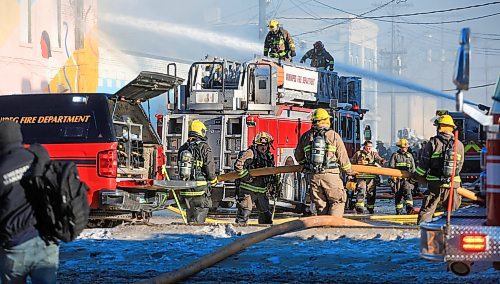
126 254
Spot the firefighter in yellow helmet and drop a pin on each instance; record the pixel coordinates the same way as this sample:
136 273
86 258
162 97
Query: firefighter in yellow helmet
196 163
279 43
254 189
366 183
323 154
436 165
402 187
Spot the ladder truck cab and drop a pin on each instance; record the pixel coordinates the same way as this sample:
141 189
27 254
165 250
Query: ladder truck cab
471 234
238 100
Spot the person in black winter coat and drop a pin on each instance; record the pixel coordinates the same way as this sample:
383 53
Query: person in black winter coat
23 253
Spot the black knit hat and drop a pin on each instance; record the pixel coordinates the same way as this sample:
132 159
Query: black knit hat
10 134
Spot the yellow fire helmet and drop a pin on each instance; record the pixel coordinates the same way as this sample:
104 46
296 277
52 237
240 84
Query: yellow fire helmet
446 120
263 138
273 25
320 114
403 143
198 127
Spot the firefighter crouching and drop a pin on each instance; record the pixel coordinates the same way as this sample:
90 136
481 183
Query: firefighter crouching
436 165
366 183
196 163
323 154
402 188
254 189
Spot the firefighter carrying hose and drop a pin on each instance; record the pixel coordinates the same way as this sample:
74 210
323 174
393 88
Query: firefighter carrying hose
323 154
366 184
436 165
402 188
320 58
196 163
279 43
254 189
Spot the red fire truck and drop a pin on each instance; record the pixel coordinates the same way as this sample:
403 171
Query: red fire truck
236 101
109 138
470 234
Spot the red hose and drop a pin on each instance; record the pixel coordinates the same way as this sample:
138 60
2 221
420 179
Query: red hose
452 183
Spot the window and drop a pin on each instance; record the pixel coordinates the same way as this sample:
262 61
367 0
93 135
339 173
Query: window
25 21
349 128
358 129
343 126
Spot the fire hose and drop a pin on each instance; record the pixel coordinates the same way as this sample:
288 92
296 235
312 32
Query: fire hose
251 239
356 168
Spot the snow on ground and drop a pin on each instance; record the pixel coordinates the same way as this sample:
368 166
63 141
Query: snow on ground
129 253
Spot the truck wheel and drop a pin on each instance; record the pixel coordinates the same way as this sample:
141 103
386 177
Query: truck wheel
460 268
288 187
496 265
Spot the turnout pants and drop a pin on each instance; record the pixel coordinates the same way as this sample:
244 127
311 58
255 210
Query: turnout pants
366 188
328 194
245 201
403 195
197 206
437 196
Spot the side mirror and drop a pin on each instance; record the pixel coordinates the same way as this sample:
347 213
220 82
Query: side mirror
461 76
368 133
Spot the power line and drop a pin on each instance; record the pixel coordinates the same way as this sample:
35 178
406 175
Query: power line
333 25
385 16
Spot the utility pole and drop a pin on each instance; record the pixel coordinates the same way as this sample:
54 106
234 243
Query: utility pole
262 19
394 64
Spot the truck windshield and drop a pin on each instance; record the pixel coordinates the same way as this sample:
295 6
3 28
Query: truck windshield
59 118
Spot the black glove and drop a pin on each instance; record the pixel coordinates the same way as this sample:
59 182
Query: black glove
302 61
292 53
265 53
330 67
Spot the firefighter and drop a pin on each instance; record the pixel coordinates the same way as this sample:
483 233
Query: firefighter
366 183
254 189
320 58
402 160
436 165
279 43
323 154
196 163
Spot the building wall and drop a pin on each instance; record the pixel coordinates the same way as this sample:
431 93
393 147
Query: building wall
48 46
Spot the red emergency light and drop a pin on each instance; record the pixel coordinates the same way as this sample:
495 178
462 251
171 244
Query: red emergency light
474 243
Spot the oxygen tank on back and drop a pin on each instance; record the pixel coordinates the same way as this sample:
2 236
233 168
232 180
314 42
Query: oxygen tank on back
318 150
185 165
448 161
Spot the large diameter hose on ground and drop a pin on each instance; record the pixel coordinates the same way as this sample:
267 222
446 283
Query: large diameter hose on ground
240 244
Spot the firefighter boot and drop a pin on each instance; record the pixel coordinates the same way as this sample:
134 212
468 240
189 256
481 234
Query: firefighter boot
371 209
410 210
265 217
198 215
242 216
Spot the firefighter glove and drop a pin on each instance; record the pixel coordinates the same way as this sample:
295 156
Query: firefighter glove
265 53
292 53
330 67
302 61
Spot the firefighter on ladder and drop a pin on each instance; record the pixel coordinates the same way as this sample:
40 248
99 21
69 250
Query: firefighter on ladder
254 189
196 163
366 183
320 58
323 154
402 188
279 43
436 165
